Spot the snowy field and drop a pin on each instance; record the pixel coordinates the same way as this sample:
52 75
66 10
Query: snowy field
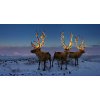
27 66
24 64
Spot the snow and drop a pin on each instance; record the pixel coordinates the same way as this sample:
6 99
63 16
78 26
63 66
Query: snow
20 62
28 65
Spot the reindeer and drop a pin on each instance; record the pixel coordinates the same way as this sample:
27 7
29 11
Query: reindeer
77 55
42 56
63 56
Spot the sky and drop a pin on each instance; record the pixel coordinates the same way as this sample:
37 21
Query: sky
16 35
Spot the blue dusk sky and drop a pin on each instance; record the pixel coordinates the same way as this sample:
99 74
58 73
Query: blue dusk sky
22 34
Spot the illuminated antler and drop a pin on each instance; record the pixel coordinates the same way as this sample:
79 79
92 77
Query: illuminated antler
38 44
42 38
70 43
63 41
81 46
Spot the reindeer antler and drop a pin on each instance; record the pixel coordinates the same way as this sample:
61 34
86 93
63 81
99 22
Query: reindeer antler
63 41
81 46
71 41
42 37
39 44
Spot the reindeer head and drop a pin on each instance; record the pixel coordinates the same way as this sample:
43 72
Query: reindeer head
80 47
36 50
69 46
38 44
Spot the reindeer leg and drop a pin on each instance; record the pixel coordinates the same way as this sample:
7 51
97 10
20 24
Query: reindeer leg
61 65
75 61
52 62
58 64
39 65
44 65
66 65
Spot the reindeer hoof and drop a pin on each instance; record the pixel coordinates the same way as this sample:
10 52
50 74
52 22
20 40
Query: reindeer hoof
43 69
38 68
61 68
69 72
65 68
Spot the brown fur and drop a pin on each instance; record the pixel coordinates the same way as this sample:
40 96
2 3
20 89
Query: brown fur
42 56
60 56
76 55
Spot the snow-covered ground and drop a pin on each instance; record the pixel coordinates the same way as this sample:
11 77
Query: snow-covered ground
27 66
19 61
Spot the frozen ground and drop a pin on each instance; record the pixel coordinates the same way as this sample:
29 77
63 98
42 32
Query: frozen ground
27 66
19 61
